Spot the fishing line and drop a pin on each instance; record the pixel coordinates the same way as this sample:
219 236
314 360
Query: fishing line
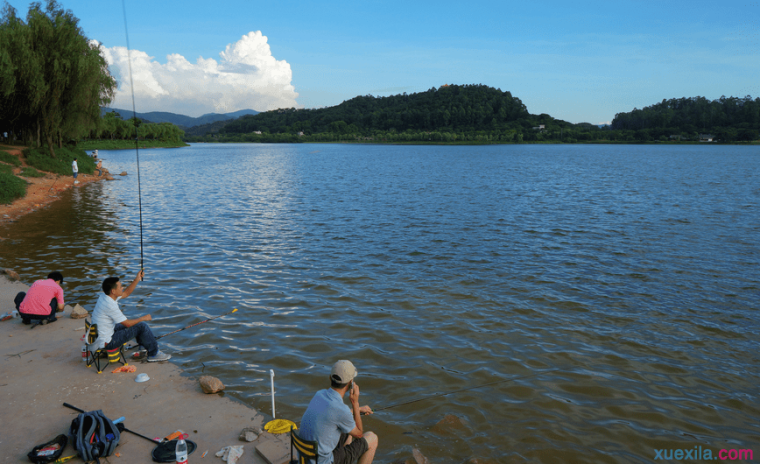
464 389
134 116
458 391
187 327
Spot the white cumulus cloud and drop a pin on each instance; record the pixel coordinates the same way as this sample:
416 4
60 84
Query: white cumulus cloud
246 76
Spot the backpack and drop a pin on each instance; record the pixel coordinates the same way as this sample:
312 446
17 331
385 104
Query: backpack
94 435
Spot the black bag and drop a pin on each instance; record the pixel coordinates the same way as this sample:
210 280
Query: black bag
94 435
48 452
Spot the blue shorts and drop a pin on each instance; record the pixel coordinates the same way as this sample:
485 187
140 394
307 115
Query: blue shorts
75 175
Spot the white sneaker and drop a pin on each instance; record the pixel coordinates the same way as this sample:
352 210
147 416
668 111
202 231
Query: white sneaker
76 181
160 356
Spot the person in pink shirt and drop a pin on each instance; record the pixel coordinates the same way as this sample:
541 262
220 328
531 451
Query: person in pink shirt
43 299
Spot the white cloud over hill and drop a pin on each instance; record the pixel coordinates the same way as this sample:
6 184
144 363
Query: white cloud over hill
246 76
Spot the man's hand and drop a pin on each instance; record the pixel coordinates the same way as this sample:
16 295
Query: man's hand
365 410
147 318
128 291
354 396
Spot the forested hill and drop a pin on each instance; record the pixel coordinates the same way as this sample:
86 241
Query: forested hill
728 119
454 108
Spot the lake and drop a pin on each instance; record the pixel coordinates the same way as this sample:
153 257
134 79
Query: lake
617 284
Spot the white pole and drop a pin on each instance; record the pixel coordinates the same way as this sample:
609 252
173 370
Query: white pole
271 376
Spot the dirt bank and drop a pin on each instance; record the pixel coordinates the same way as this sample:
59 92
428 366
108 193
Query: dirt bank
40 191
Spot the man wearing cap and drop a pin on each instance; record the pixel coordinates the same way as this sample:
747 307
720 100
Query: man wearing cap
337 429
43 299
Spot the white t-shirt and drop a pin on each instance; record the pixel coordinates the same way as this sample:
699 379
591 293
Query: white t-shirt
75 168
106 315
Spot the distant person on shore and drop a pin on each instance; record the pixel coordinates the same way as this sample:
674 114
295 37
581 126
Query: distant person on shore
337 429
114 329
75 168
43 299
100 167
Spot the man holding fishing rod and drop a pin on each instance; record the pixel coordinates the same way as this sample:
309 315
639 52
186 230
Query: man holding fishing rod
114 329
338 430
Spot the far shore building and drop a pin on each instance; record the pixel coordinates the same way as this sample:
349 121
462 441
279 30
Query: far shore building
257 132
706 138
540 127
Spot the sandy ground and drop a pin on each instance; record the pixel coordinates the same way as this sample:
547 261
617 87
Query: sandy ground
42 191
42 368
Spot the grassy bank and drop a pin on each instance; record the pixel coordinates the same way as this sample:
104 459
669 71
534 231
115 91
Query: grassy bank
40 158
127 144
11 187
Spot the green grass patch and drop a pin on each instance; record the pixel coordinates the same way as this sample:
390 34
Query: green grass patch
6 169
30 172
11 187
6 157
61 164
127 144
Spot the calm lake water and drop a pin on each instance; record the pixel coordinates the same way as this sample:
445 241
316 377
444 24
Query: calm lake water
620 283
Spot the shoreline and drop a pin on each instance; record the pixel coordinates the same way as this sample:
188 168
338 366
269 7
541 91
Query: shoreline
40 191
43 369
473 143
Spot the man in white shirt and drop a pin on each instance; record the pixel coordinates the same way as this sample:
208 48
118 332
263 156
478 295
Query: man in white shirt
114 329
75 168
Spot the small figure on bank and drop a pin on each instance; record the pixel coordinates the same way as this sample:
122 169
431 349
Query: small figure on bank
43 299
100 167
114 329
75 168
337 429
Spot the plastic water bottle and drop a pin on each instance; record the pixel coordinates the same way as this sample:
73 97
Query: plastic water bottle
84 353
181 451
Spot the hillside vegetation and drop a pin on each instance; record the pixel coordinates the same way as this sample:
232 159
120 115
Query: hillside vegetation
482 114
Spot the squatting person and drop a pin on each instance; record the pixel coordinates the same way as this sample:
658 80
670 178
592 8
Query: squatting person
43 299
337 429
114 329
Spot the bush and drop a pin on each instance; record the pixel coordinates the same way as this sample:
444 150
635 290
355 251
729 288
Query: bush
61 164
8 158
11 187
31 172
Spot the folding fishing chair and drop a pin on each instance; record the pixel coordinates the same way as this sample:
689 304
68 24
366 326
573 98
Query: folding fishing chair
94 353
306 450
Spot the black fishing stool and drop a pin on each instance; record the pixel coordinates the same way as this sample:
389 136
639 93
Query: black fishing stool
306 450
94 354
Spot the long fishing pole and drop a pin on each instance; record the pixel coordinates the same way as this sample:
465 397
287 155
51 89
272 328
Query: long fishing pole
187 327
137 148
463 389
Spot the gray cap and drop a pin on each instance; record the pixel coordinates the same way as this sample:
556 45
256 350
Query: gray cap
343 371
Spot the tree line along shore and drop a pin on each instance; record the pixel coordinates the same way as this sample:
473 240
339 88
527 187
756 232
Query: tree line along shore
55 88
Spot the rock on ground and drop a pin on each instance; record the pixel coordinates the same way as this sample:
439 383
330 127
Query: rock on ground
13 275
250 434
79 312
123 173
211 384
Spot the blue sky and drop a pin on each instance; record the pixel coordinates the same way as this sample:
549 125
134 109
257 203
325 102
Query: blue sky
578 61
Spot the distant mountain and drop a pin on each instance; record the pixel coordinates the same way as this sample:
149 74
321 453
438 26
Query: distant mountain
180 119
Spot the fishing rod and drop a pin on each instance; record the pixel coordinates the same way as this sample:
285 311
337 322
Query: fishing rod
463 389
187 327
137 148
